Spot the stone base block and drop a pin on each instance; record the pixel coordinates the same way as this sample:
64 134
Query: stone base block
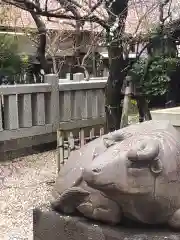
49 225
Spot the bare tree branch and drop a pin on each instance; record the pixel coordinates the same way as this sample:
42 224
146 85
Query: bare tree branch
34 8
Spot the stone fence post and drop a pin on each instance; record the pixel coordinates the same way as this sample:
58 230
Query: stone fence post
54 100
68 76
77 77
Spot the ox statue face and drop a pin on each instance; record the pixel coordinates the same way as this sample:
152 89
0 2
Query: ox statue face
123 170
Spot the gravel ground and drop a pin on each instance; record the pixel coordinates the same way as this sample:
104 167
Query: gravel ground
24 184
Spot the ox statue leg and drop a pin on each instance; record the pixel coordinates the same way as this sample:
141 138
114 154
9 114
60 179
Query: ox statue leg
100 208
174 221
69 200
91 205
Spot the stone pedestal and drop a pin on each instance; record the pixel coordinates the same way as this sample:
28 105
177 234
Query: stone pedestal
49 225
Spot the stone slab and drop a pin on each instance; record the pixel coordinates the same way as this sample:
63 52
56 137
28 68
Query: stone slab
49 225
170 114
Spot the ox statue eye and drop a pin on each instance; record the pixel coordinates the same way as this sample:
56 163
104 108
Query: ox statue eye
94 155
156 167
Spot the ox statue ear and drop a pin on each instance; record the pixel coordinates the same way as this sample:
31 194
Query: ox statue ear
147 150
108 142
111 138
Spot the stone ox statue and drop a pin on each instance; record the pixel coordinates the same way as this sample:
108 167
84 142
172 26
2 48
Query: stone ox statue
133 172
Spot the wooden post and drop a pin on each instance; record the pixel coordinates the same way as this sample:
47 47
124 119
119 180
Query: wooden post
38 104
101 131
25 110
54 102
1 115
60 149
81 135
124 118
11 112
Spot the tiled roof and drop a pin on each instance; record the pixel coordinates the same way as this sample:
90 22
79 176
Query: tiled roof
142 15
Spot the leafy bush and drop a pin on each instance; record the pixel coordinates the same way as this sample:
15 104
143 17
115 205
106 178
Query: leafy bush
155 81
11 64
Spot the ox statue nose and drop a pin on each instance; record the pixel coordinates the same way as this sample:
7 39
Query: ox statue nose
96 170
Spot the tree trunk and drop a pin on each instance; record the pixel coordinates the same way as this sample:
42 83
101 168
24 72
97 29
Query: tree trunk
113 108
113 94
41 49
54 63
144 112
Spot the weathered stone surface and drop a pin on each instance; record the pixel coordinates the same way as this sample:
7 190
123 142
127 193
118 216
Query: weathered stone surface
49 225
132 172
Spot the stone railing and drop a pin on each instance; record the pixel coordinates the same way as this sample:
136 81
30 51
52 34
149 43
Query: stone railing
31 110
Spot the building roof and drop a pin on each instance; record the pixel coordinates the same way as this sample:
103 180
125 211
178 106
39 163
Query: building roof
142 16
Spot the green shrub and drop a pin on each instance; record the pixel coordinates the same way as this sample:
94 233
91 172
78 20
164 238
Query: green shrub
159 70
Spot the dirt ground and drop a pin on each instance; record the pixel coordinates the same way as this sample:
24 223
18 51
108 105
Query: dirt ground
24 184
